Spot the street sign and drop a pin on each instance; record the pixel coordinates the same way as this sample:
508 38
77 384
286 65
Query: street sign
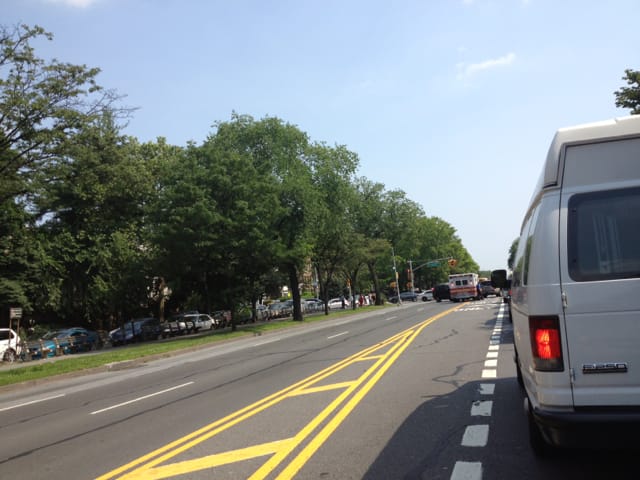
15 313
435 263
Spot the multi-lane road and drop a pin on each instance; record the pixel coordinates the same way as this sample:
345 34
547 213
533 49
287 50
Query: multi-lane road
418 391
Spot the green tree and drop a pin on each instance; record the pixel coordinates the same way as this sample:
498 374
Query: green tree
93 211
233 210
629 97
282 198
333 219
368 211
399 225
42 105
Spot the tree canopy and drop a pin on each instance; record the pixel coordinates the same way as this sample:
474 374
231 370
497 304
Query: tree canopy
629 97
94 224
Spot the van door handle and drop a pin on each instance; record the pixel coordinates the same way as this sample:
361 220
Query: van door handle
564 300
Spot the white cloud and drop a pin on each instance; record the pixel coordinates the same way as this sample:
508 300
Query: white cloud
74 3
473 68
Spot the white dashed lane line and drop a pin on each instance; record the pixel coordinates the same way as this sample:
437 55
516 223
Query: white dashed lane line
474 435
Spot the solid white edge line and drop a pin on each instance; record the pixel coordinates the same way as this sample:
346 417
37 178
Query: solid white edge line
30 403
141 398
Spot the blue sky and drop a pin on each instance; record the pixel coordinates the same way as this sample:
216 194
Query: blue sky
453 101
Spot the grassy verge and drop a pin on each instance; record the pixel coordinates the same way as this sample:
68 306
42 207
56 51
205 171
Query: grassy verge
39 369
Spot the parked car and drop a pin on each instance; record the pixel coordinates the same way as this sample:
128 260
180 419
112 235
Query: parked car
178 325
441 292
222 317
69 340
274 310
426 295
314 305
10 345
151 329
336 303
201 321
262 312
134 331
404 297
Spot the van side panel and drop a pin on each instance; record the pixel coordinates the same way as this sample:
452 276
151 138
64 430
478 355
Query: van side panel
536 273
600 271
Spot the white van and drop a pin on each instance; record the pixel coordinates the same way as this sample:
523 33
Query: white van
575 290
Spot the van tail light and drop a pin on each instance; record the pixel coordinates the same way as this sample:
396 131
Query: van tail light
545 343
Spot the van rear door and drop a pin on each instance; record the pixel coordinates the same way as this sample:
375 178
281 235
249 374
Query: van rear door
600 271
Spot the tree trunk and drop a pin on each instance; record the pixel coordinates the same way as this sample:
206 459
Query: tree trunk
295 292
376 283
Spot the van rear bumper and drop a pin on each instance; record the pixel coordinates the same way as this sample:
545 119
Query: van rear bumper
601 427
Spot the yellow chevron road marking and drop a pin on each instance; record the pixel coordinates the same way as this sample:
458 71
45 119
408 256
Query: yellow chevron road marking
307 441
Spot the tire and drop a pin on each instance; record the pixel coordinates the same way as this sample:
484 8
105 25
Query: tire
538 444
9 356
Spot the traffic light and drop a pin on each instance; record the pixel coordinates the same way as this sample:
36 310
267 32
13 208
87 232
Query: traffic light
452 262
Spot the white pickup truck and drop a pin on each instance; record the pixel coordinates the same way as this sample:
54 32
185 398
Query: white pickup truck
10 345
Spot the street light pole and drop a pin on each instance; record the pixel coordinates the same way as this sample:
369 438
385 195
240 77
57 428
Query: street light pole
413 287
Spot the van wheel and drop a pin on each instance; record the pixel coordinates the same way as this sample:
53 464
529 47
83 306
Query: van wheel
537 441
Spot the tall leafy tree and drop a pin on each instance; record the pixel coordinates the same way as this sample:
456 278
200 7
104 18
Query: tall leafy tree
277 151
92 214
333 220
230 212
42 105
629 97
368 209
399 222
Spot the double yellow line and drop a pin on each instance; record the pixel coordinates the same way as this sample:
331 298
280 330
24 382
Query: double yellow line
155 465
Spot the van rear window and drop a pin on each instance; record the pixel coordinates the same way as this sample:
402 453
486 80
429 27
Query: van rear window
604 235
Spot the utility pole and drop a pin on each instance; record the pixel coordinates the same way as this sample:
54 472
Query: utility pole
395 271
